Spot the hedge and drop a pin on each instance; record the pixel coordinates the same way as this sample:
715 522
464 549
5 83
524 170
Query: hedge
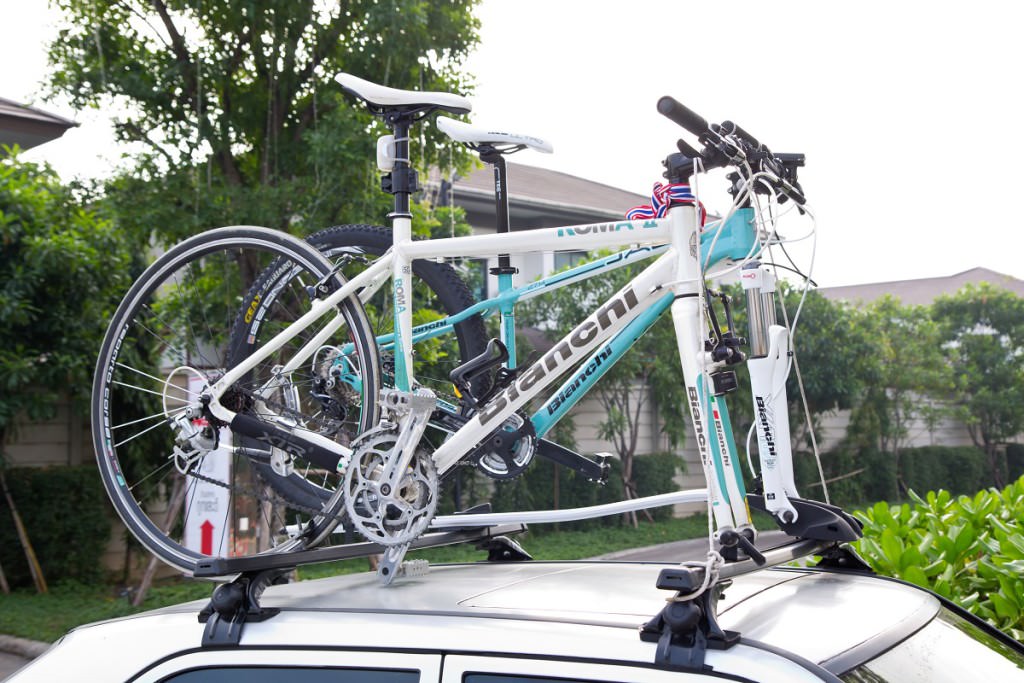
65 512
957 469
969 549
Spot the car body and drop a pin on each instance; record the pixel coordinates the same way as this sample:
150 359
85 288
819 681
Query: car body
502 622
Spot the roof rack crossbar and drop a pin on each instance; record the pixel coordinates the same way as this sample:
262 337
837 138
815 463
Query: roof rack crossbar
229 566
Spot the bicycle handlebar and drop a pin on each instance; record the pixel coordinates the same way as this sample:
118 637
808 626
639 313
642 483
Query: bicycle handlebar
728 144
679 113
730 128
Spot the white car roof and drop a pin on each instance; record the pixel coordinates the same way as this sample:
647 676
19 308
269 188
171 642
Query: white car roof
578 609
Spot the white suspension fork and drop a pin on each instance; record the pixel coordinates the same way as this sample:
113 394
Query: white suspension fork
769 367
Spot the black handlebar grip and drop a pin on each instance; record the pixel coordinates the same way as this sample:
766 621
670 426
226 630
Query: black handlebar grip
796 195
679 113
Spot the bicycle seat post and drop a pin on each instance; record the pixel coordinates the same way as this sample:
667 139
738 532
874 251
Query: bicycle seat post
493 156
402 180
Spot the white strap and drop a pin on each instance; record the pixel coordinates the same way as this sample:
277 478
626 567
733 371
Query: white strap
382 96
465 132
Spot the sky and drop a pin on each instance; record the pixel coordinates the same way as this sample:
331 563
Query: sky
907 111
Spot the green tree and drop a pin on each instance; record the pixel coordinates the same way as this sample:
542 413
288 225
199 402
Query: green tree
61 271
984 331
836 350
912 373
234 105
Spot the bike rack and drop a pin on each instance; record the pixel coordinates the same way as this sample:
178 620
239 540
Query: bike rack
684 630
237 602
222 567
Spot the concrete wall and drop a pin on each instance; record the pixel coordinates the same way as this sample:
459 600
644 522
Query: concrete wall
63 440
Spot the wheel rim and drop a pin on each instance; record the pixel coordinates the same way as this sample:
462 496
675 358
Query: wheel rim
172 336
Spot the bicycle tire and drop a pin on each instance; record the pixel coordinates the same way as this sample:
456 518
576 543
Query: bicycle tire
183 312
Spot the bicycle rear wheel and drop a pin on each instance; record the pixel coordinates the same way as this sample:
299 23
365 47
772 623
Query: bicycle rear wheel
184 484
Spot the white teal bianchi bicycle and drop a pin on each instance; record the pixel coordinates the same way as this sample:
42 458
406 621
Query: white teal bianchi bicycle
255 390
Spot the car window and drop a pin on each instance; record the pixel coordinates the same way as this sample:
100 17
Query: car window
292 674
259 665
511 678
949 649
761 666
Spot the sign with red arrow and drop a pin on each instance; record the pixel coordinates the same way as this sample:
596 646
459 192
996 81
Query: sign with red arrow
207 510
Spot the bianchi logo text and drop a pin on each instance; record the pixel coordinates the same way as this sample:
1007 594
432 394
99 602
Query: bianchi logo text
585 373
698 424
554 361
723 443
766 427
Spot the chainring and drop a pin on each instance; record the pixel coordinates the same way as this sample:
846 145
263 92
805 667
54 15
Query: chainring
508 451
389 518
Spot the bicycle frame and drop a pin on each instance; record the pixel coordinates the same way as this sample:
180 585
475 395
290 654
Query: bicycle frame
673 282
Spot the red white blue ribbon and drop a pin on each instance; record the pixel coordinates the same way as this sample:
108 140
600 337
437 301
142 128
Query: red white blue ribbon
663 197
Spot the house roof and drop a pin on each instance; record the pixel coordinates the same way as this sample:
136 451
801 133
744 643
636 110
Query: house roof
27 126
539 197
922 291
532 184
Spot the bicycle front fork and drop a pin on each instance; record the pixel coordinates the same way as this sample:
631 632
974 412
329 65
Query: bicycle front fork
769 364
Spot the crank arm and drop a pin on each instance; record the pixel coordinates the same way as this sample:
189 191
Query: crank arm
594 470
417 407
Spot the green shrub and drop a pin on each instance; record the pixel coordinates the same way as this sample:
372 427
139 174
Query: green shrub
655 474
957 469
64 510
1015 460
969 549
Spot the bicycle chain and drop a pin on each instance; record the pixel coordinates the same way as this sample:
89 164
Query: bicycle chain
260 494
263 497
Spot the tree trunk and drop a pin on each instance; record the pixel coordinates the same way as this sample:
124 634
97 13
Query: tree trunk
26 544
992 453
173 506
3 582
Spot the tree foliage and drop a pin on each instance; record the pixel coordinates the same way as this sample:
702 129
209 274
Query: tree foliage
983 327
233 106
914 382
61 269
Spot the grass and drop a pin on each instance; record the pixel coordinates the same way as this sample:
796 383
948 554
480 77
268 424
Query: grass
47 617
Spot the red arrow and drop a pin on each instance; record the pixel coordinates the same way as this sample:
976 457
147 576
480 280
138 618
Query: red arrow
206 544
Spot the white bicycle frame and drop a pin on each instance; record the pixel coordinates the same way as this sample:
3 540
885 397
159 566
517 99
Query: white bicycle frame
674 280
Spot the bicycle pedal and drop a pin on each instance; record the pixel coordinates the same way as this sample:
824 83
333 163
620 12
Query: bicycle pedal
411 568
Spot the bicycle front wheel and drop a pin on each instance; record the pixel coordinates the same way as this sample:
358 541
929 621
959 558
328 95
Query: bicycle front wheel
183 483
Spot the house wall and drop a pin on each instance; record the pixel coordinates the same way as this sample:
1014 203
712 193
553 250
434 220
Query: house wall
62 440
946 432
